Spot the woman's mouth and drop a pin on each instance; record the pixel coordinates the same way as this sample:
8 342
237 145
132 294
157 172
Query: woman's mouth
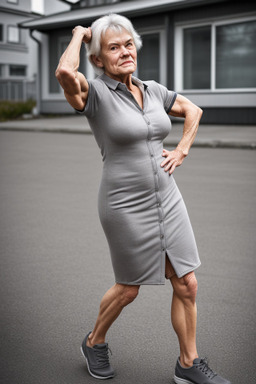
127 62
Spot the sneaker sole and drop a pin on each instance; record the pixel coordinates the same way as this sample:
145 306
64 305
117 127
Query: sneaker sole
93 374
178 380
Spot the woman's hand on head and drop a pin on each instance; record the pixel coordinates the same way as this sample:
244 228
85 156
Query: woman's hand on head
86 32
172 160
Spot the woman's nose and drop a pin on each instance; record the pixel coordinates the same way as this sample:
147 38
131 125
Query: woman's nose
125 51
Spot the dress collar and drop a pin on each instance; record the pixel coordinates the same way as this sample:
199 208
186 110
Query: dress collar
114 84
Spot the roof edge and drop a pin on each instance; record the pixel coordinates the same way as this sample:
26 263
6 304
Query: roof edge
130 9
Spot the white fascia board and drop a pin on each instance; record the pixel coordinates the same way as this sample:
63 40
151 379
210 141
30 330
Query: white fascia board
140 7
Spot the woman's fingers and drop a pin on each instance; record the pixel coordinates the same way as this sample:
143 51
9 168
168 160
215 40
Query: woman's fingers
173 160
87 35
86 32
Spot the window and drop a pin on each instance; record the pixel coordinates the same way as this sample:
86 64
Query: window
197 58
1 32
148 58
13 34
13 1
217 56
18 70
236 55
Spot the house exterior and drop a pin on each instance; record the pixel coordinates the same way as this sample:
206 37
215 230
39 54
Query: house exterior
203 49
18 52
17 65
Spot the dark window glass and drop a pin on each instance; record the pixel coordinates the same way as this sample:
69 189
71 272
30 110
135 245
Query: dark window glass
148 58
236 55
197 58
17 70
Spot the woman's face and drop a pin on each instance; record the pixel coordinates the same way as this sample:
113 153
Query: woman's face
118 55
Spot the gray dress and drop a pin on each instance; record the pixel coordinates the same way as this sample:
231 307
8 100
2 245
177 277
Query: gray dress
140 207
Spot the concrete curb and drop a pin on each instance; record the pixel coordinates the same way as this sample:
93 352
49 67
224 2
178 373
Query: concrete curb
211 140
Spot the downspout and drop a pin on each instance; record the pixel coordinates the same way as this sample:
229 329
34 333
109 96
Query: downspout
39 74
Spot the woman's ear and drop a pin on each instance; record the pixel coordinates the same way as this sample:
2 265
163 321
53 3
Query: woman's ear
97 61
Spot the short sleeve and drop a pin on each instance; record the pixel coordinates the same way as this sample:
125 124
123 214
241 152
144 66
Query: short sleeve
168 97
94 95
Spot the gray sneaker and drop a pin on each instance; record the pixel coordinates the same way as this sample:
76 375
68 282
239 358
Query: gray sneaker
199 373
97 360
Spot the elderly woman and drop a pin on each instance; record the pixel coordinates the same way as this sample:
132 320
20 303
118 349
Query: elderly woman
140 207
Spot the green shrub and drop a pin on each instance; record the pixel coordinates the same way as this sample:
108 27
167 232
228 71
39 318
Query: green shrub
13 109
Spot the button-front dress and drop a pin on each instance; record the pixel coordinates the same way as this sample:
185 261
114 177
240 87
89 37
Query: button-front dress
140 206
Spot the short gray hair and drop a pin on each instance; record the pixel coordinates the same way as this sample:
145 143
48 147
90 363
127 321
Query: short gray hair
99 28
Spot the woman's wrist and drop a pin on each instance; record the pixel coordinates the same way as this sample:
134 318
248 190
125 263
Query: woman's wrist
182 150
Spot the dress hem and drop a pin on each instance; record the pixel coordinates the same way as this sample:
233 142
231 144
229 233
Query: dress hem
163 282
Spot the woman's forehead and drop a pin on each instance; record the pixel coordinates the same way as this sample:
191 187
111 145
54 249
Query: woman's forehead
113 36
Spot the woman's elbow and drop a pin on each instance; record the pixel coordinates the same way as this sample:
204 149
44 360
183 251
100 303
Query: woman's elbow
200 112
63 73
60 73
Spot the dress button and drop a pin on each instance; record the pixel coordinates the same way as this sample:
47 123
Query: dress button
162 236
163 249
151 154
148 122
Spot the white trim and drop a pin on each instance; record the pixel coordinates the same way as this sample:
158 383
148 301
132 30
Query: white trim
178 52
221 21
220 90
45 66
213 58
178 59
89 71
222 100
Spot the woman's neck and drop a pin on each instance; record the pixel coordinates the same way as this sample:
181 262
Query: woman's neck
125 79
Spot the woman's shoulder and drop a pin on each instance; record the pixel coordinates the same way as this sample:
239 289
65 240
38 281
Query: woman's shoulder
97 84
161 92
154 85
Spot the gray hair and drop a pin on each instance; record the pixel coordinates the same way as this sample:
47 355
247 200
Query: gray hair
99 28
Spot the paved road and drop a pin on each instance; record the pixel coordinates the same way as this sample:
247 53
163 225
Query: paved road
55 265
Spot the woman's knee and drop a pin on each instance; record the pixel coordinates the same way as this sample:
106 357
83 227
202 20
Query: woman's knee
127 293
186 287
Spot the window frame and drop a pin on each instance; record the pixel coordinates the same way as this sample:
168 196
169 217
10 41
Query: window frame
178 54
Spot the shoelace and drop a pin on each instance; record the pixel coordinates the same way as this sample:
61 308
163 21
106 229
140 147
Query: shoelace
102 357
204 367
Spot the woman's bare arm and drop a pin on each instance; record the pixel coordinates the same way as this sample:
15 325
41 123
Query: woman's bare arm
73 82
192 114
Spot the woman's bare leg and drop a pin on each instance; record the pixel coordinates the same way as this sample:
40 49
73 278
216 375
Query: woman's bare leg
112 304
184 313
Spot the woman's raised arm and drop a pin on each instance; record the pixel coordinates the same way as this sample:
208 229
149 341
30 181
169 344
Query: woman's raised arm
73 82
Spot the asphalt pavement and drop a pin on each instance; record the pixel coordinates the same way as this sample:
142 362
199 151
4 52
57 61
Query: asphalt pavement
55 264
